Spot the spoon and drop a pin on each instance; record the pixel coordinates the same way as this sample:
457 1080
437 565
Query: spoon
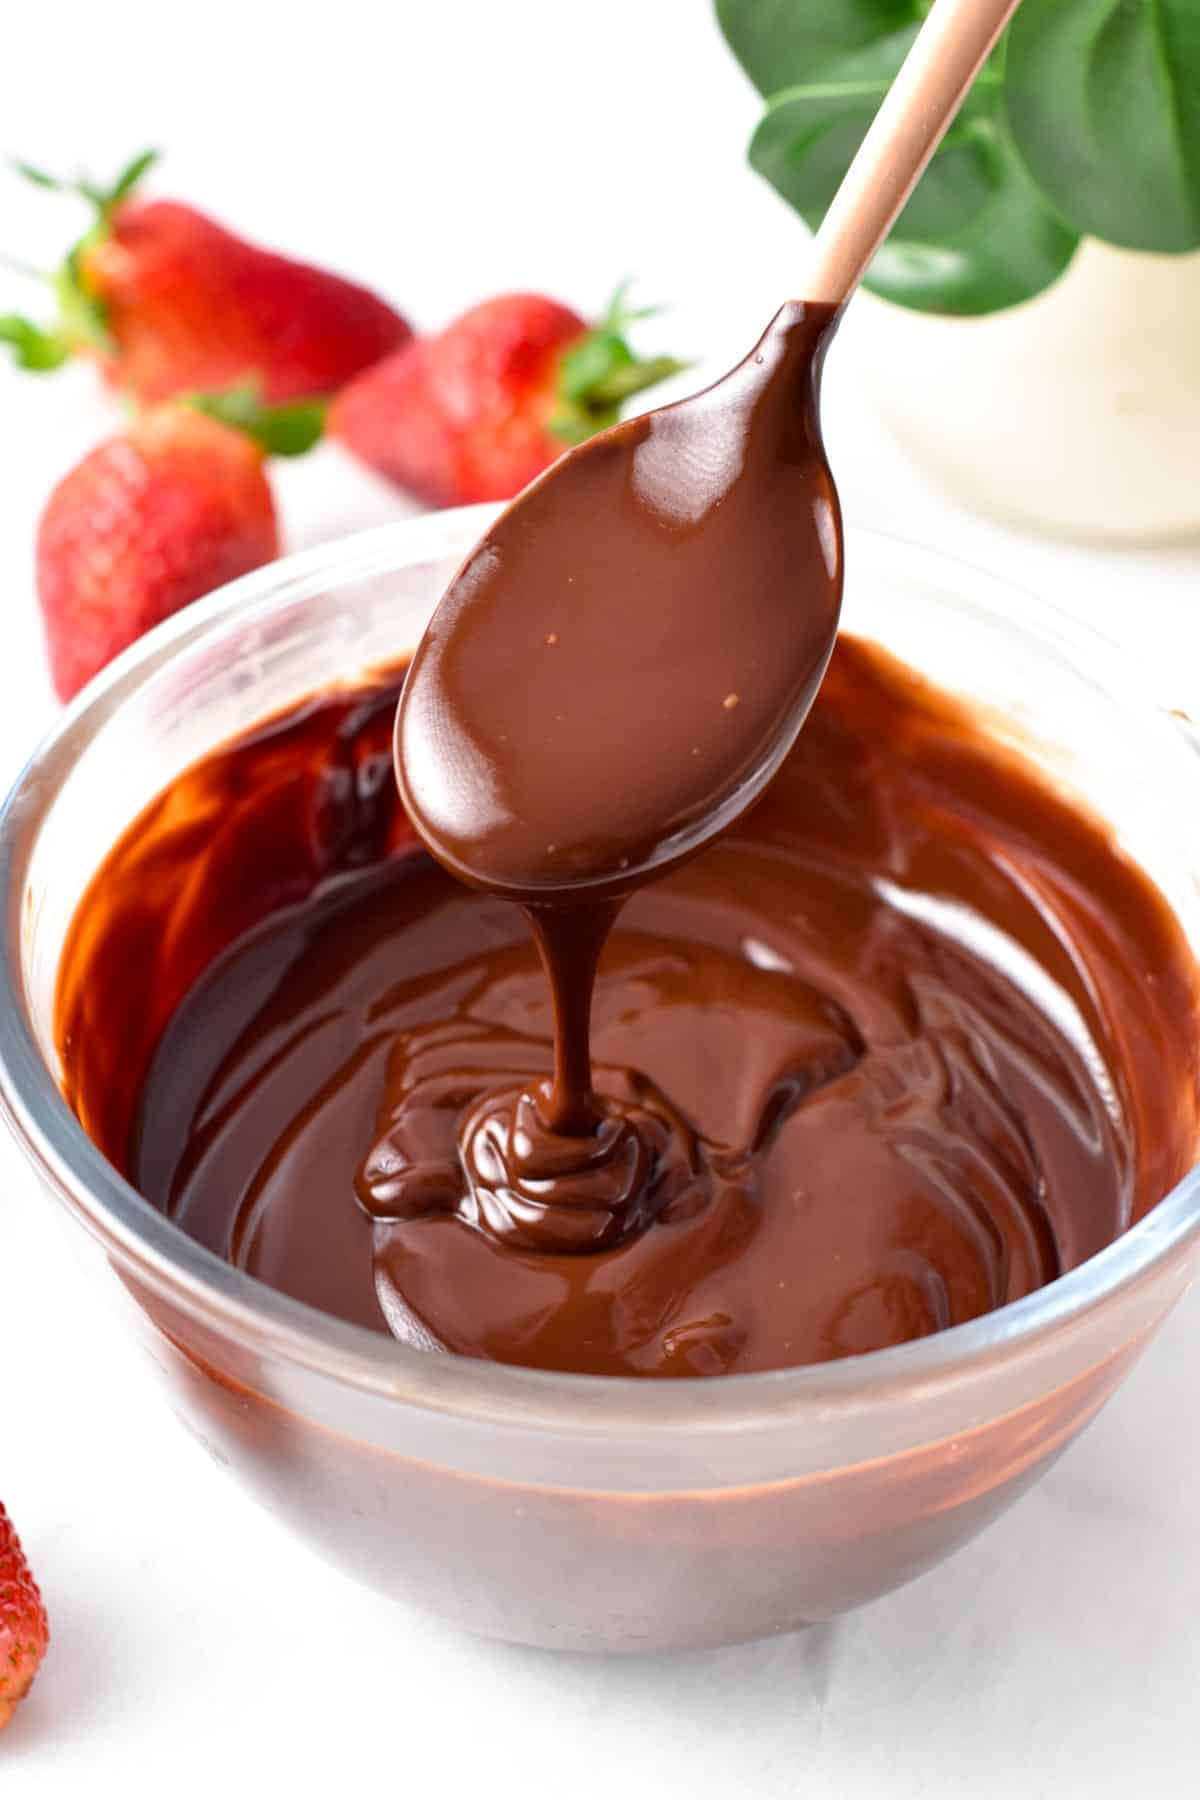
620 665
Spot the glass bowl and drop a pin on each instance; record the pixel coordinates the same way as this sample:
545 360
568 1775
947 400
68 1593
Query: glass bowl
568 1511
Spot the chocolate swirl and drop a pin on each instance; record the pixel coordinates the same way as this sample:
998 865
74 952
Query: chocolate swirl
452 1141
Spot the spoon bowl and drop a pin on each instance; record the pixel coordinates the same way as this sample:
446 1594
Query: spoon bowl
620 666
623 661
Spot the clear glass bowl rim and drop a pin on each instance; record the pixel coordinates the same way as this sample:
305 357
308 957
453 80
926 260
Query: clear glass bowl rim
266 1322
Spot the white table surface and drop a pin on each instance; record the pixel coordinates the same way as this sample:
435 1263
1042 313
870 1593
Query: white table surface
444 153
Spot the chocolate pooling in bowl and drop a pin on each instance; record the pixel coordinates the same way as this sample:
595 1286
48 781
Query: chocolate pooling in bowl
915 1034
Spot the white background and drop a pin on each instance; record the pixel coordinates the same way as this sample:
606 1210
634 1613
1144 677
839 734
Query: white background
442 152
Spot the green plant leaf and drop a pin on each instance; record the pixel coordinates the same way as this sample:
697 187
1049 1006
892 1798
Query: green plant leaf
1103 100
1012 248
780 43
975 236
810 133
33 347
287 430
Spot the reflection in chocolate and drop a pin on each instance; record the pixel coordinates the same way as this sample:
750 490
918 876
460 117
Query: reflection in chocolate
909 1040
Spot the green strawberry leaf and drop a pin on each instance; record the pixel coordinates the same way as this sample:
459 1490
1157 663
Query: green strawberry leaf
1103 99
600 372
619 315
287 430
976 234
33 347
781 43
39 177
129 178
104 199
82 321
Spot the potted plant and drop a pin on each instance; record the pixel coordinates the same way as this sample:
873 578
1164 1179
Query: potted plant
1036 335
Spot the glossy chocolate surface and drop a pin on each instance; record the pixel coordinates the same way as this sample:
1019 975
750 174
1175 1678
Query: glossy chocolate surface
909 1040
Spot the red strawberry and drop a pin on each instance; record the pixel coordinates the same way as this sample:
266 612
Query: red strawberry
477 411
24 1632
169 301
154 518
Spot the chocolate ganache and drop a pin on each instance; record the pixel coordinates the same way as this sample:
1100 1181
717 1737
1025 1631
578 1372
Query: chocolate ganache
909 1039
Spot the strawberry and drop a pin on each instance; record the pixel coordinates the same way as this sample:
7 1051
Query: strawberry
24 1632
477 411
162 513
169 301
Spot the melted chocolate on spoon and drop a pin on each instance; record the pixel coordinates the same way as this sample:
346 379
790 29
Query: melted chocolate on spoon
613 677
620 666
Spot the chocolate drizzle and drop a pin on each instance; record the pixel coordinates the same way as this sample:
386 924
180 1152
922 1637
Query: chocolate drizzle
515 1176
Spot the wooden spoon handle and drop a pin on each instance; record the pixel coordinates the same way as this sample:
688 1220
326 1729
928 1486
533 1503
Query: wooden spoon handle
916 112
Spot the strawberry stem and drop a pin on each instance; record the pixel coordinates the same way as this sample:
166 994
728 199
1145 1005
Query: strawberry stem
600 372
287 430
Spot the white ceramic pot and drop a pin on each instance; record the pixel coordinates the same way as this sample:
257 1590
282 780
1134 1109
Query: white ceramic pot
1078 413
